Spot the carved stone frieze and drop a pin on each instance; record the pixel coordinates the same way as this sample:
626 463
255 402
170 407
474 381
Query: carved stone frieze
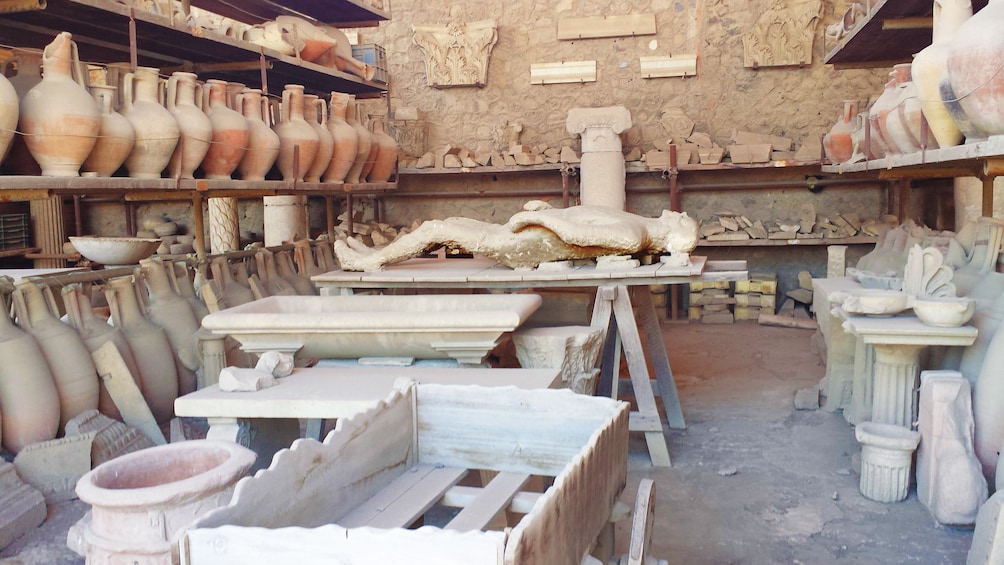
456 54
783 34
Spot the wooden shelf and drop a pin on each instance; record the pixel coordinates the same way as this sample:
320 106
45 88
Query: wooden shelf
890 34
633 167
342 13
856 240
971 159
101 30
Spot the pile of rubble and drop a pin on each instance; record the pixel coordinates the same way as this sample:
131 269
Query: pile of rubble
730 226
457 157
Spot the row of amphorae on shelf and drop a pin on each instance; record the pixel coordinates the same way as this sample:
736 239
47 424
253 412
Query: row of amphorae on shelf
47 376
222 129
955 87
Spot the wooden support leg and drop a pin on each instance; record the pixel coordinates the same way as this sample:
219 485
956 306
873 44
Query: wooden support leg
200 227
648 320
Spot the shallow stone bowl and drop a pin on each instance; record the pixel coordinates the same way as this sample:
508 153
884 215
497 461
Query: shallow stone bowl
115 250
869 279
944 312
875 302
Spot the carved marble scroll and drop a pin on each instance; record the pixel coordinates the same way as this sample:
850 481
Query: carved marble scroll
783 34
456 54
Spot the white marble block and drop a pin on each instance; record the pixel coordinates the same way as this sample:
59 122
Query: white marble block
602 162
886 455
950 480
572 348
988 537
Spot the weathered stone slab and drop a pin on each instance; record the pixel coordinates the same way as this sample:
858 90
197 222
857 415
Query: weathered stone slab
22 507
54 467
112 439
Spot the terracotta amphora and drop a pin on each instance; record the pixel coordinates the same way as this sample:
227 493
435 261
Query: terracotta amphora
24 70
183 285
8 115
974 69
157 131
386 157
173 314
304 258
58 116
149 345
115 139
877 116
68 359
29 402
364 144
314 107
905 125
230 133
263 142
345 137
838 142
96 332
301 283
929 66
326 256
274 283
295 136
364 174
234 294
184 101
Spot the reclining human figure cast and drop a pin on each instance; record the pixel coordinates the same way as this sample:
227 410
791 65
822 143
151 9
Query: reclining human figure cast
538 234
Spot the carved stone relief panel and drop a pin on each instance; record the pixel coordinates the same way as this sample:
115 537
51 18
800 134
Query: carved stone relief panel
456 54
783 34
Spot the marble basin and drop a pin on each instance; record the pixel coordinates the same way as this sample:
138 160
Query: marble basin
869 279
944 312
464 327
114 250
874 302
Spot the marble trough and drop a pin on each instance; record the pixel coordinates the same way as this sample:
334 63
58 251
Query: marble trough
464 327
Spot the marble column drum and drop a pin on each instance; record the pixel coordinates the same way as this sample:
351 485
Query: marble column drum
896 370
602 167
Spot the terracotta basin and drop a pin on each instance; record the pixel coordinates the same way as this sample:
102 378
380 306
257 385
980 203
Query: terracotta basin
464 327
115 250
944 312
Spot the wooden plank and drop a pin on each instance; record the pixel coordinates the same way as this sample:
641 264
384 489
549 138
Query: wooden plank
606 26
641 297
120 385
405 499
461 496
493 499
642 524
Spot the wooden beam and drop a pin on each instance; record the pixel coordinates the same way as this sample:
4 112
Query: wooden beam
606 26
908 23
988 196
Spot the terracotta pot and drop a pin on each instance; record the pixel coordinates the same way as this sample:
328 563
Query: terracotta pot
877 116
115 138
68 359
274 283
157 131
364 144
24 70
142 502
172 314
29 402
905 125
184 102
149 345
230 133
326 256
296 136
305 264
345 137
286 269
386 157
58 115
929 66
837 143
974 69
234 294
96 332
183 285
8 115
364 174
314 107
263 142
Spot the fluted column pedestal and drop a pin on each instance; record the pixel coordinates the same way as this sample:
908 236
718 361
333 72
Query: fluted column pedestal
893 381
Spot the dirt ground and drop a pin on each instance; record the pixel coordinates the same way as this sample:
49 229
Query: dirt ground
753 481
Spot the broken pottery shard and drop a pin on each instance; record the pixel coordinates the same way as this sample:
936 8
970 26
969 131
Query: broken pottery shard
701 139
22 507
750 153
656 159
452 162
482 157
806 218
55 466
711 156
426 161
711 229
633 155
729 236
805 280
801 295
112 439
678 125
730 224
853 219
235 379
509 160
523 159
777 142
468 162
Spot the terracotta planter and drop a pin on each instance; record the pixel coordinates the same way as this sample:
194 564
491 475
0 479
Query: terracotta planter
96 332
172 314
184 101
58 115
296 137
345 137
68 359
29 402
115 138
364 144
929 66
974 69
157 131
149 345
230 133
386 157
142 502
838 142
314 107
263 142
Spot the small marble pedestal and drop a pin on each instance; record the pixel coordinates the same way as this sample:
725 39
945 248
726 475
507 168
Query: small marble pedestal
602 165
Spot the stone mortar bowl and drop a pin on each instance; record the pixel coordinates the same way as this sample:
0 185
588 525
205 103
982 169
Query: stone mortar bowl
875 302
115 250
944 312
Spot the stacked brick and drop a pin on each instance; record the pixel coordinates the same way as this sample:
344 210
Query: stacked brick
711 302
755 294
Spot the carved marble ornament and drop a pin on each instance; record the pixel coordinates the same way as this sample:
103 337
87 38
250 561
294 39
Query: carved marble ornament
456 54
783 34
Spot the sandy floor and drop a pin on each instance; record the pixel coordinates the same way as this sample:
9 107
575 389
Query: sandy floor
753 481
